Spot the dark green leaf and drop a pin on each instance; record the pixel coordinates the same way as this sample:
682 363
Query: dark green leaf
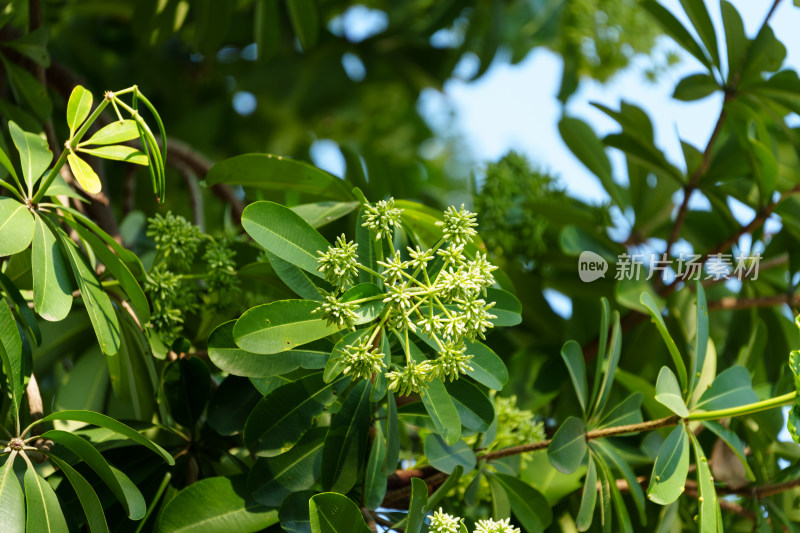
527 503
731 388
695 87
674 29
507 308
701 337
568 447
319 214
446 458
442 411
474 407
335 513
671 468
736 41
11 354
293 514
28 90
280 326
347 441
707 494
375 479
392 436
734 442
611 453
610 369
186 384
305 21
297 279
417 506
231 404
582 141
487 368
43 510
444 489
33 45
668 393
698 15
573 357
266 29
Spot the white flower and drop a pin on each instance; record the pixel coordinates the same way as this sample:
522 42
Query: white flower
382 217
420 259
442 522
394 267
459 226
490 526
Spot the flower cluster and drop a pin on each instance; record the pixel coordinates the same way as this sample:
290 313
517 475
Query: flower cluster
442 522
176 238
438 294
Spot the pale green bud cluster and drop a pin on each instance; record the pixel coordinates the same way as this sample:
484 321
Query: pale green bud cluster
361 360
459 226
382 218
441 522
339 263
337 312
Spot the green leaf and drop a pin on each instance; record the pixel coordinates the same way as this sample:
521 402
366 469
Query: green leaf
701 337
231 405
336 362
568 447
52 288
644 153
655 313
611 453
305 21
268 430
695 87
335 513
442 411
731 388
671 467
28 90
186 383
297 279
6 162
131 500
736 41
280 174
392 436
34 155
347 441
78 108
734 442
475 409
87 179
215 505
92 508
25 312
280 326
285 234
487 367
119 131
623 518
43 510
507 308
417 505
588 498
707 494
224 353
375 479
629 411
610 369
444 489
97 303
668 393
267 29
698 15
319 214
16 226
446 458
367 311
119 152
11 354
293 514
33 45
86 384
12 501
104 421
271 479
573 357
674 29
527 503
582 141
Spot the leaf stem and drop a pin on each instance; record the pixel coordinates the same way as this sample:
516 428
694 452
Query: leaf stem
745 409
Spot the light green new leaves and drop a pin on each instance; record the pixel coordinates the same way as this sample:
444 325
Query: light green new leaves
668 393
78 108
731 388
573 357
34 155
658 320
16 226
52 288
671 468
568 447
285 234
215 505
119 152
446 458
334 513
12 504
116 132
43 510
83 172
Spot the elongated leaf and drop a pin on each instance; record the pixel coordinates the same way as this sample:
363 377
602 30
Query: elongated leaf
701 337
698 15
92 508
671 468
475 409
347 440
392 436
268 429
629 411
224 353
375 479
119 152
444 489
731 388
334 513
677 360
734 442
11 354
736 42
568 447
52 289
104 421
305 21
573 357
668 393
29 90
266 171
582 141
267 29
33 45
187 389
215 505
487 367
25 312
34 155
416 508
114 133
695 87
319 214
301 282
445 457
675 29
271 479
528 504
588 498
614 351
78 108
97 303
707 494
83 172
611 454
293 514
623 518
280 326
442 411
16 226
42 508
12 501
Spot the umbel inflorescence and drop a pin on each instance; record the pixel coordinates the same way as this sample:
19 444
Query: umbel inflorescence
437 293
442 522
